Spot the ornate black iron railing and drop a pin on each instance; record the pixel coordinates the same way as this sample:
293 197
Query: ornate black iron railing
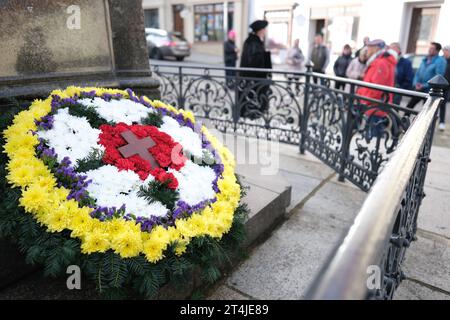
367 264
348 131
355 135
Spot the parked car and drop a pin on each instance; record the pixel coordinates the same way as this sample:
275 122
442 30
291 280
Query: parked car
416 60
163 44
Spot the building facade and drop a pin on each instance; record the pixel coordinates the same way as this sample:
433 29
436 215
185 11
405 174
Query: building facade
204 23
413 23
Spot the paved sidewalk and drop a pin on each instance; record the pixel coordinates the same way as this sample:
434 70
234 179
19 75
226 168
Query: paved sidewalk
283 266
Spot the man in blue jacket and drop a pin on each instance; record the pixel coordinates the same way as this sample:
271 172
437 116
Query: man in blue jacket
404 72
431 65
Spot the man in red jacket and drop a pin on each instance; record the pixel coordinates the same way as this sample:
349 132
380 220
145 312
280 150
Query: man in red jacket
380 70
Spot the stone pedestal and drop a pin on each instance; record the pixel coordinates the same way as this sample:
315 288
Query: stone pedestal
53 44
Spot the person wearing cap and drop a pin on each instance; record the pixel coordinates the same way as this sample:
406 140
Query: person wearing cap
230 55
253 93
431 65
404 72
446 52
254 53
380 70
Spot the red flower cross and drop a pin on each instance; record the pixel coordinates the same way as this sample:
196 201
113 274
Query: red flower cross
161 149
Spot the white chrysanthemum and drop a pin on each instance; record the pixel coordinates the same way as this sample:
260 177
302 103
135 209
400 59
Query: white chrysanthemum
71 136
189 140
195 183
122 110
113 188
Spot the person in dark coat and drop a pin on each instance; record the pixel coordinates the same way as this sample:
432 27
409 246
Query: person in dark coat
254 53
341 65
253 93
230 55
404 73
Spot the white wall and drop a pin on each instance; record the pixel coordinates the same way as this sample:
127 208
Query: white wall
381 19
443 29
385 19
161 6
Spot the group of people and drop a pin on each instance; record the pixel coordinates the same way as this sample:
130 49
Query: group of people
384 64
375 62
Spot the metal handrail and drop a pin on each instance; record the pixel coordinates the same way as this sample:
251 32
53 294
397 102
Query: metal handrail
344 276
359 83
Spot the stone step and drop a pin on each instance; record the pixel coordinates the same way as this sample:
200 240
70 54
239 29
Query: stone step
267 198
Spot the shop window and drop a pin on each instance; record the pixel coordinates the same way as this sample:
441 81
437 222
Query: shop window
209 21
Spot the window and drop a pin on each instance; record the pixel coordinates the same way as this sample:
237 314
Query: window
355 28
151 18
278 29
422 29
209 21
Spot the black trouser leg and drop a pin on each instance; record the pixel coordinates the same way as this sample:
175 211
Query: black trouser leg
397 99
230 75
339 85
442 112
412 103
316 79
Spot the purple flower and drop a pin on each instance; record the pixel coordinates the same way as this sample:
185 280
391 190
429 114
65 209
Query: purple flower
68 101
88 94
107 97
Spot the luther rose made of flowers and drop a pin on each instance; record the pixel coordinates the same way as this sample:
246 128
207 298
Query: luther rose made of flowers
120 172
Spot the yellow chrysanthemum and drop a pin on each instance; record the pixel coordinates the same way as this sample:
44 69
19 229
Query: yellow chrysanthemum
95 241
197 225
127 244
23 141
16 130
173 234
153 249
160 234
61 194
185 228
116 227
80 223
56 220
46 182
181 247
33 198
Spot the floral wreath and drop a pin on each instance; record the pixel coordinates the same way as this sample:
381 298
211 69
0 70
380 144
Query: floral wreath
120 172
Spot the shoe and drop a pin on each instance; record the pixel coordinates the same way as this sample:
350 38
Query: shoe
441 126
